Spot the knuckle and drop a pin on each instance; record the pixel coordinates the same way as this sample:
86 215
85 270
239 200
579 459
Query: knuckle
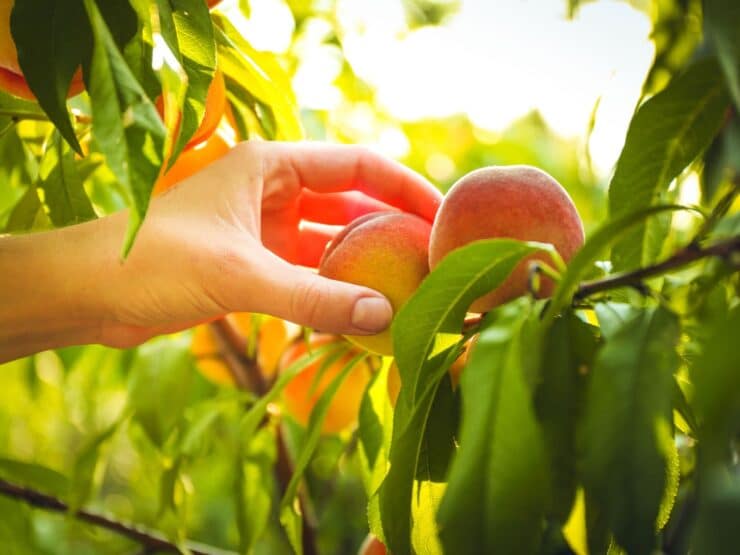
308 301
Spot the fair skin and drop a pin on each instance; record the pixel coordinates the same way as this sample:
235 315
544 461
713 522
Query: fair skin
241 235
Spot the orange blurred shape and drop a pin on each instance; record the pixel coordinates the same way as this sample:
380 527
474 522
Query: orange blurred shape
11 76
304 390
214 110
213 3
372 546
194 159
272 337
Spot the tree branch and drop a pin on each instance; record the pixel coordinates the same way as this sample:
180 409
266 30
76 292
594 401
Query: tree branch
723 249
149 540
728 249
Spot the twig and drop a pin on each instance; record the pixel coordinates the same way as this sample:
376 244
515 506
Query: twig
248 375
692 253
723 249
151 541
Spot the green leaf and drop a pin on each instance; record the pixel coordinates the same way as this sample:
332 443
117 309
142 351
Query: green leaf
717 381
718 514
627 434
589 253
16 528
251 420
666 134
62 184
126 125
440 434
52 38
498 489
409 426
24 212
568 349
289 511
721 24
195 47
87 467
442 300
160 370
255 482
261 74
34 476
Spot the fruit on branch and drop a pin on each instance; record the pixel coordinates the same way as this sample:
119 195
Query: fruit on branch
11 76
214 110
385 251
194 159
372 546
305 389
517 202
267 342
455 370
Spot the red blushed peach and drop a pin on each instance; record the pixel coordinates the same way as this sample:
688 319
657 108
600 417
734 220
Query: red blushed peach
372 546
516 202
385 251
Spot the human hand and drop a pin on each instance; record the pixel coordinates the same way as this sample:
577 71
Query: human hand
240 235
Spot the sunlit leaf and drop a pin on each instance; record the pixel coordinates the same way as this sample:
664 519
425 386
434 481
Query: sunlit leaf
125 123
498 489
666 134
62 184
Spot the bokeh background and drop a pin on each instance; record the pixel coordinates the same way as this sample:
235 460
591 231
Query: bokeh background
445 86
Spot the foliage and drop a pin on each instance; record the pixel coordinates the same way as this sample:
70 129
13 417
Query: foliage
592 424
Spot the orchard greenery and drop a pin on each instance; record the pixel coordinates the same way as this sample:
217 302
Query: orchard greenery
604 419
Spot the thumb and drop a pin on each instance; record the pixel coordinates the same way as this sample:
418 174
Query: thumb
299 295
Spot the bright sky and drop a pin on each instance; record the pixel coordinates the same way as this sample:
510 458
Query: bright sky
496 60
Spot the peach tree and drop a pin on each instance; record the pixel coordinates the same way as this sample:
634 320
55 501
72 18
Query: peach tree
595 411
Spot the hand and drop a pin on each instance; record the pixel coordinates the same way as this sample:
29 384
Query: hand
240 235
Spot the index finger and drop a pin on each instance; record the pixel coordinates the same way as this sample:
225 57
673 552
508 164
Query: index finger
330 168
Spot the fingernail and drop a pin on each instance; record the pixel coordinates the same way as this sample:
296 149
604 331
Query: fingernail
372 314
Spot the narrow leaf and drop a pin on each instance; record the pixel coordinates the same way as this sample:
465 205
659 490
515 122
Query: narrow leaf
498 486
62 184
666 134
126 125
627 433
51 38
721 23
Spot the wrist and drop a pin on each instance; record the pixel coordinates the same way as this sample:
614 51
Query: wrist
52 296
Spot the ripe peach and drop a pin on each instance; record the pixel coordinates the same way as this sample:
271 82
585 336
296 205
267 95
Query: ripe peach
11 76
386 251
372 546
305 389
272 338
517 202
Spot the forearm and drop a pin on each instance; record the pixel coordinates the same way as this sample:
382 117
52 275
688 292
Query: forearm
50 287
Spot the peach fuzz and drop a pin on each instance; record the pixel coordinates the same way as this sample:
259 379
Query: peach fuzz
385 251
517 202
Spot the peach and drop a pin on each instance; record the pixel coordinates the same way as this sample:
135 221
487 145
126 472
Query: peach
305 389
517 202
385 251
